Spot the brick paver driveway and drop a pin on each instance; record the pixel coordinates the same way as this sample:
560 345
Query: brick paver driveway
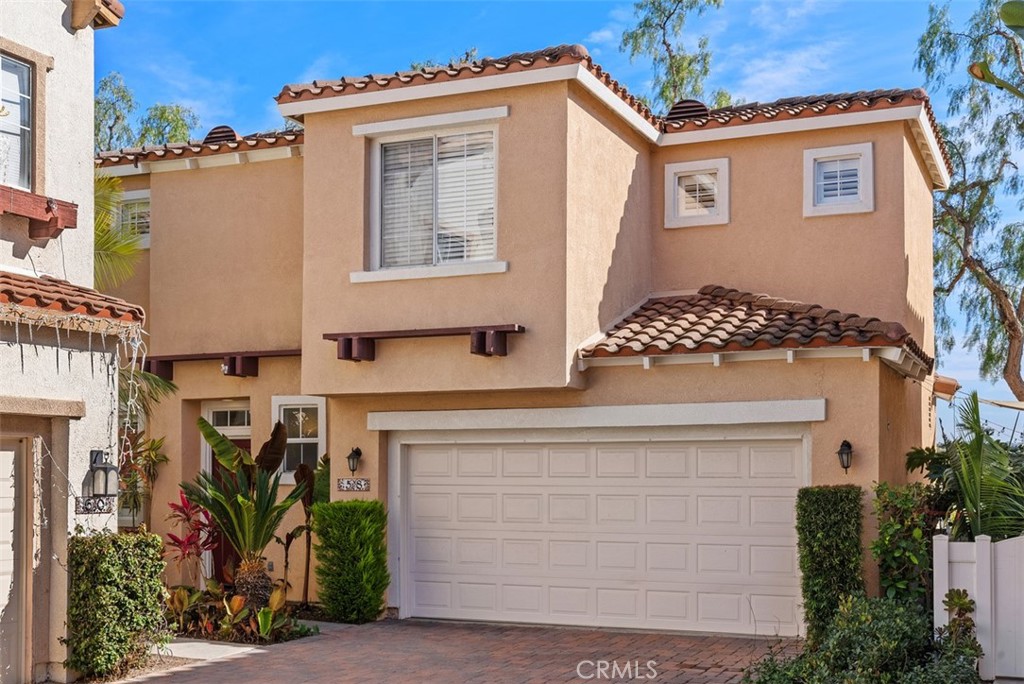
394 652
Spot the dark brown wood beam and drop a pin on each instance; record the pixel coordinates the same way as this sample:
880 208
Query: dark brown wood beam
234 364
47 217
484 340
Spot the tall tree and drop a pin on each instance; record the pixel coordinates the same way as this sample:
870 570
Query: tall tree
679 72
979 253
116 128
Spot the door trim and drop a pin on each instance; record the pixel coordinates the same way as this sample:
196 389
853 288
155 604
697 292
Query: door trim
206 454
24 505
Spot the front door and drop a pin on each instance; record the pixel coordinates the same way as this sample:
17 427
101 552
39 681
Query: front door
232 419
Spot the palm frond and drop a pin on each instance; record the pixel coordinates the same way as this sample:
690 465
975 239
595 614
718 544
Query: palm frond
117 250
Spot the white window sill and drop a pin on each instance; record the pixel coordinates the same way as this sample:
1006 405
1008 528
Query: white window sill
418 272
688 221
860 207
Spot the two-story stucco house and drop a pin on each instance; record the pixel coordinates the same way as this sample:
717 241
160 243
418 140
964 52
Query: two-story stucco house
58 336
535 308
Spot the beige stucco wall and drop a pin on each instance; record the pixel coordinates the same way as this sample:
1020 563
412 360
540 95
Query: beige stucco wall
851 262
136 288
607 232
531 219
226 258
175 419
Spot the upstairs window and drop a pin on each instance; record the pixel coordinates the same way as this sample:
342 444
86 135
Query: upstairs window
838 180
697 193
134 215
437 200
15 123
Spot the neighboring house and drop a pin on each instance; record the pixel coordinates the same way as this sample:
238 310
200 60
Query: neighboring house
58 337
527 301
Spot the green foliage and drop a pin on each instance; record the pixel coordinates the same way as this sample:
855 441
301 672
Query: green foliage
166 123
322 483
680 72
979 256
828 526
978 480
140 467
903 546
117 250
245 510
213 614
114 601
878 640
115 127
351 554
115 105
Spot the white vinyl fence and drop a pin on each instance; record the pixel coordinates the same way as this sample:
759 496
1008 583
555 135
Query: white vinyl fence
993 575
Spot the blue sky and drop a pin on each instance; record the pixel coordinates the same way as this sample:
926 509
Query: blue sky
227 60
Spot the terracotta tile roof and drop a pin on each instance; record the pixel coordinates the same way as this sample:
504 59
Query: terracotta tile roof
488 66
718 319
256 141
53 294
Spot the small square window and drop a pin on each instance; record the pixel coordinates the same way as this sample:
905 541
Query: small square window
697 193
838 180
304 419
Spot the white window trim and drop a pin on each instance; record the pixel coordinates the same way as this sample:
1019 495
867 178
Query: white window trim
134 196
418 272
866 181
374 232
720 216
277 403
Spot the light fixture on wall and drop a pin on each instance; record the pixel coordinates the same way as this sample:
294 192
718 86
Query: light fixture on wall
353 459
845 455
100 486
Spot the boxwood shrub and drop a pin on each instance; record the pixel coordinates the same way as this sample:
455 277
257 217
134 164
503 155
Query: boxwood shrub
352 561
828 526
115 601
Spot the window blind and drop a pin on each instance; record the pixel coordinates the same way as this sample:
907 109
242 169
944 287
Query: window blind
697 193
837 180
16 124
437 200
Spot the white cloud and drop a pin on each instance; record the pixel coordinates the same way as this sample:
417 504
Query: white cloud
779 17
783 73
323 68
212 99
604 36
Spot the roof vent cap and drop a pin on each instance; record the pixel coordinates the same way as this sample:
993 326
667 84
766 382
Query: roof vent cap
687 109
221 134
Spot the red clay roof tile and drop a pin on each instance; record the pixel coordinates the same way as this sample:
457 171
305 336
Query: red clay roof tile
256 141
53 294
719 319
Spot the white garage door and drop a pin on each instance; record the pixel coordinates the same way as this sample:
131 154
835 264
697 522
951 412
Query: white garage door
688 536
10 606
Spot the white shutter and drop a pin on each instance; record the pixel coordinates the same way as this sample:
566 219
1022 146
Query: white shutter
16 126
465 197
407 203
837 180
697 193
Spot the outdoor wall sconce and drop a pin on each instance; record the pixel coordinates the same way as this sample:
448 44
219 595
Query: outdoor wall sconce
353 459
100 486
845 455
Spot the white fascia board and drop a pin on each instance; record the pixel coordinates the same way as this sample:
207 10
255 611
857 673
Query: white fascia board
227 158
922 128
430 90
419 123
595 87
789 355
122 170
814 123
643 415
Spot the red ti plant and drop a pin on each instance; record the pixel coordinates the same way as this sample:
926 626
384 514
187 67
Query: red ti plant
198 535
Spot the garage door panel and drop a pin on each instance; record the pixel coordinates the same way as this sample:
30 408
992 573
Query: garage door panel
686 536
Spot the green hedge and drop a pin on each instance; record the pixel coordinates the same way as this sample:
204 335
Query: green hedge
828 526
115 601
903 548
352 559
